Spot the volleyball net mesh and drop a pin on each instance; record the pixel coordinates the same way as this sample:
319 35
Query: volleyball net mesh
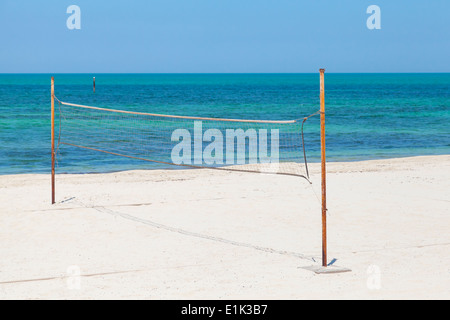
259 146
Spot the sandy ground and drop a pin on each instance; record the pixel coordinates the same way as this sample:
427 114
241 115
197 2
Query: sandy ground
203 234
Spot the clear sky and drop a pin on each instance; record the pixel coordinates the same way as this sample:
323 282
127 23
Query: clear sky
239 36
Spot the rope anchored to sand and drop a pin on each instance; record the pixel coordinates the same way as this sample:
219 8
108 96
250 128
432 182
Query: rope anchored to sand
194 234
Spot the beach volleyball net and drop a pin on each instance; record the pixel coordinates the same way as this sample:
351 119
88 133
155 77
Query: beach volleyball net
244 145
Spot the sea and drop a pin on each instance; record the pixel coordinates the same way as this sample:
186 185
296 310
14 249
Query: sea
368 116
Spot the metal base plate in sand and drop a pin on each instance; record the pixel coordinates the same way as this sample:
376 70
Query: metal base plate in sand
326 270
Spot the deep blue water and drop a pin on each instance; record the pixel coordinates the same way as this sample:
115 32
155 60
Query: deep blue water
369 116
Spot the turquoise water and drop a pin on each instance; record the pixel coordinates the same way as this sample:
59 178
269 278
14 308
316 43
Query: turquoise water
369 116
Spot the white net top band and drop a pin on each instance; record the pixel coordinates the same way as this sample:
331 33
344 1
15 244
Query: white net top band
179 117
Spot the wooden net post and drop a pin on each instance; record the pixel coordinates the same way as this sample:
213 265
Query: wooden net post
324 172
53 137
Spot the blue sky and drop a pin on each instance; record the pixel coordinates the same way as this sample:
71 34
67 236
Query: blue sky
238 36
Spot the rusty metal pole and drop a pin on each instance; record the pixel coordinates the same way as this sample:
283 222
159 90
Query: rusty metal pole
324 170
53 138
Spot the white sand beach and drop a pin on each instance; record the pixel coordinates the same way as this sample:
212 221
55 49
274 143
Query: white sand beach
205 234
